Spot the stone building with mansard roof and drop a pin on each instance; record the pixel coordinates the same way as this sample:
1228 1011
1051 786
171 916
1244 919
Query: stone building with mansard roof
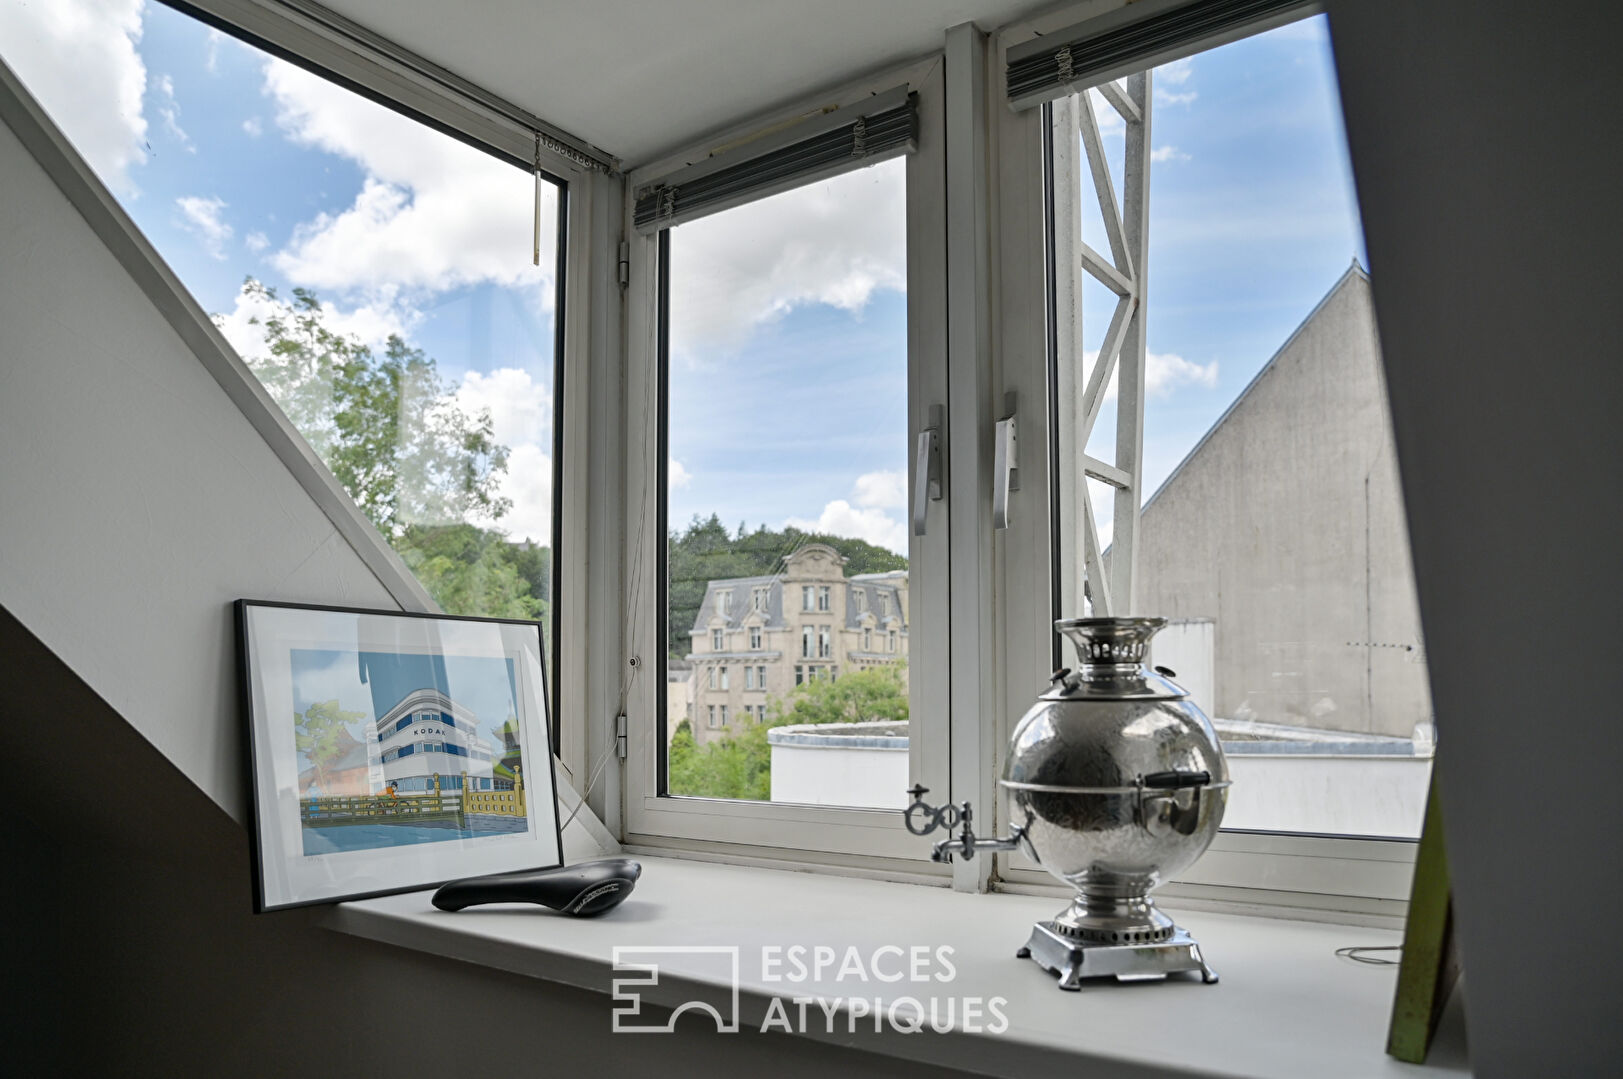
756 638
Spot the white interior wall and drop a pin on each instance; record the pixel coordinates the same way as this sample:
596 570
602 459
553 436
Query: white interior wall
1484 139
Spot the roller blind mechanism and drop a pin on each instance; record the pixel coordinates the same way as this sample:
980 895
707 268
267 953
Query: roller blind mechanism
1131 39
872 130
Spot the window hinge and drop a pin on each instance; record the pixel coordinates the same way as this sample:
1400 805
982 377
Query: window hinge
625 267
620 736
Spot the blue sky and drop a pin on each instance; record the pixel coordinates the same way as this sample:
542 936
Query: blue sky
483 685
789 316
235 164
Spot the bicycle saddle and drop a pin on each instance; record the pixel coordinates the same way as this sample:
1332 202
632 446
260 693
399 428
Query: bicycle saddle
582 890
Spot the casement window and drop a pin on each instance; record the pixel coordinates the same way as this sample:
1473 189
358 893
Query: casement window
760 677
826 231
755 638
724 602
712 720
1179 448
890 644
718 640
712 674
749 677
867 640
724 684
760 599
723 710
419 272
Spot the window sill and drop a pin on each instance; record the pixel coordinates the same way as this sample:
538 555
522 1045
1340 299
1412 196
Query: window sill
1287 1005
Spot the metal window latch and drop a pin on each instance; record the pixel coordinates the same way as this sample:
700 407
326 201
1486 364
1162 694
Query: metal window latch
625 264
927 486
620 736
1005 464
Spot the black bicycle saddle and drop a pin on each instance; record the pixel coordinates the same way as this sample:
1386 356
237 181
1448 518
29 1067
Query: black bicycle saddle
582 890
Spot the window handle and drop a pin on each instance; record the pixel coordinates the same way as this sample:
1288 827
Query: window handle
927 469
1005 465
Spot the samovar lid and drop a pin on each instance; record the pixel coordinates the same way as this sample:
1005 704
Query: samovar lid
1111 654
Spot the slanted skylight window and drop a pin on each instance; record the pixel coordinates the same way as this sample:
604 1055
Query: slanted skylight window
375 274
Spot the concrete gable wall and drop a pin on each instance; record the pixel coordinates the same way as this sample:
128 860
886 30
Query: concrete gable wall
1286 526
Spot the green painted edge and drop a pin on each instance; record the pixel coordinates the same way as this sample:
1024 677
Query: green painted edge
1429 966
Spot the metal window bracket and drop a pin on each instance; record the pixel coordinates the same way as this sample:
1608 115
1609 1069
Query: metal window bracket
927 485
620 736
625 263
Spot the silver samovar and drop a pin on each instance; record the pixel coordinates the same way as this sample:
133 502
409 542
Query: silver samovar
1117 782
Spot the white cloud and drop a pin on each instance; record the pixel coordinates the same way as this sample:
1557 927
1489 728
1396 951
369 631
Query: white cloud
1167 153
843 519
169 111
834 242
677 475
1164 373
521 416
252 127
1177 72
432 214
528 483
372 325
520 407
882 490
256 241
875 494
1174 74
211 58
202 219
78 57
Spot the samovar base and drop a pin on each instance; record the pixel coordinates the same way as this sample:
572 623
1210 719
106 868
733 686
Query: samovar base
1074 960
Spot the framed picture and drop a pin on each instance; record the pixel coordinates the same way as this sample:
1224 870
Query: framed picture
392 751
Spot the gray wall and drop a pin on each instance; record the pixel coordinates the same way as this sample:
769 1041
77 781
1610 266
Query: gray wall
138 500
1286 526
133 950
1485 144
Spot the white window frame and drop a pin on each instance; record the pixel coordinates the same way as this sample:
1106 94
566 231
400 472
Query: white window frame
724 679
1306 875
348 55
825 597
757 638
777 831
718 640
807 597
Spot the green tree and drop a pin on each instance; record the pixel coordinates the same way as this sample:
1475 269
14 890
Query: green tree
388 426
739 764
322 735
706 551
416 463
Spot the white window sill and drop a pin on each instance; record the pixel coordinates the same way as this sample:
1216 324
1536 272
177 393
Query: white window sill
1287 1006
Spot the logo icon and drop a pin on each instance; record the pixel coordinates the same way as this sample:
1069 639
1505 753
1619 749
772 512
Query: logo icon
647 963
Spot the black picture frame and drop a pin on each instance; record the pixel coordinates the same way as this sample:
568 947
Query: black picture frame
536 730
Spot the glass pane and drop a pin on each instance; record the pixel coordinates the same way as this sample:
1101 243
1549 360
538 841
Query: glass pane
375 274
787 585
1272 532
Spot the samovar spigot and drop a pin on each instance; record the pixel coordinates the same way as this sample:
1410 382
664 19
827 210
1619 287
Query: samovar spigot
947 817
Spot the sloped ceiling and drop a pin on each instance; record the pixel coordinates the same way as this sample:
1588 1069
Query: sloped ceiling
639 77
